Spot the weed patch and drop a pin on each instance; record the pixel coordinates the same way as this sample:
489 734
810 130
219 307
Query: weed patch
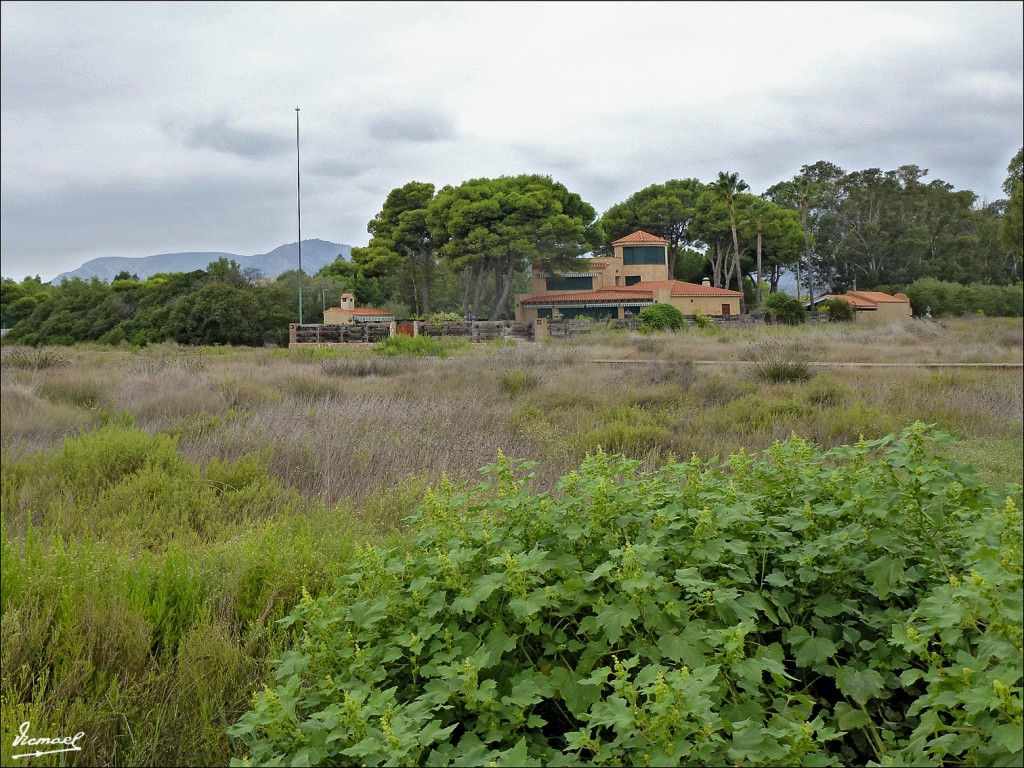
699 613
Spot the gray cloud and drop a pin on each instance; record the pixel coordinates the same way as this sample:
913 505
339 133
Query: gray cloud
416 125
340 168
247 143
128 133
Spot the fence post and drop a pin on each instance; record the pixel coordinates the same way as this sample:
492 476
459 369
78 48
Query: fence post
291 334
540 329
392 329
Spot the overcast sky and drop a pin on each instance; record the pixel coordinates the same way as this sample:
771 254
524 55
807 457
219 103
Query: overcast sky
130 129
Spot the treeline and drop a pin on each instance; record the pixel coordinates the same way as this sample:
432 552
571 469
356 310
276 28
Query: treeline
218 305
834 230
469 249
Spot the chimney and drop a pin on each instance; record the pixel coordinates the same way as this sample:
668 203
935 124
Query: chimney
706 282
348 301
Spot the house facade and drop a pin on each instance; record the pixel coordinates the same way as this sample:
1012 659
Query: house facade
347 312
619 286
875 306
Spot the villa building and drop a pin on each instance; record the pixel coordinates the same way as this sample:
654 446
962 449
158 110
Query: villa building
619 286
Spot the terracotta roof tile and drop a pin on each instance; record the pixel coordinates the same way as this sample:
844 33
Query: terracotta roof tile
680 288
854 300
641 237
879 297
602 294
363 311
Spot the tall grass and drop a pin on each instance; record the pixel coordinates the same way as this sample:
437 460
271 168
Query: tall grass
161 508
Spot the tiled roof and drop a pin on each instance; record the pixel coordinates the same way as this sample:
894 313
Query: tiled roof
640 237
602 294
880 298
854 300
637 292
693 289
870 299
364 311
680 288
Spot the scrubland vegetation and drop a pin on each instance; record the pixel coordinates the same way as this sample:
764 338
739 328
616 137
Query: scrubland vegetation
164 508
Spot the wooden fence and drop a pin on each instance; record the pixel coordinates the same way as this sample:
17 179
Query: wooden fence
478 330
351 333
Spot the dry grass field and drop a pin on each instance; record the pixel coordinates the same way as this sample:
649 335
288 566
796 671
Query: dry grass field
163 506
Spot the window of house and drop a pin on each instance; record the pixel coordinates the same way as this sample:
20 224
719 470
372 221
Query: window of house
643 254
560 283
632 279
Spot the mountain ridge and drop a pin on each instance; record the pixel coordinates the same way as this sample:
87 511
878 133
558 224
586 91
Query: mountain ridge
316 254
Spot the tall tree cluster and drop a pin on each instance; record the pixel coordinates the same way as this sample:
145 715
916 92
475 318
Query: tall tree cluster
875 227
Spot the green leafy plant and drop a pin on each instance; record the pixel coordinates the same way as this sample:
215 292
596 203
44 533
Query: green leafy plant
446 317
785 309
516 381
420 346
34 359
779 360
839 311
702 320
859 605
661 317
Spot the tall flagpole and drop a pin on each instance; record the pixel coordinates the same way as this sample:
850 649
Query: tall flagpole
298 203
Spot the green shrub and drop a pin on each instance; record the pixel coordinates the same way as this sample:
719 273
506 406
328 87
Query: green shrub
702 320
855 606
661 317
785 309
446 317
35 359
779 360
954 300
516 381
838 310
420 346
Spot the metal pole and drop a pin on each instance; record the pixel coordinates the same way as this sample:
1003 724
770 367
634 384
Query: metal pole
298 198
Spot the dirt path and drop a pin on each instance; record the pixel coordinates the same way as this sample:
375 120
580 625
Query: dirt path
1009 366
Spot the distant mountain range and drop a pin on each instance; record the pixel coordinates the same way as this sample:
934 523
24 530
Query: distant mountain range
315 254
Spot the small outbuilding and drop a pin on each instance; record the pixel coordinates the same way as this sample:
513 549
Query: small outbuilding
349 313
874 306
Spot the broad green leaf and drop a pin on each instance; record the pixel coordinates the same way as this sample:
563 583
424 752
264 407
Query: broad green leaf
517 756
364 614
861 685
611 712
497 644
885 573
1010 736
752 743
809 649
850 718
578 696
615 618
672 647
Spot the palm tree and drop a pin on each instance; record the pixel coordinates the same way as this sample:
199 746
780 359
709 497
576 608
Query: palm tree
758 214
726 187
806 189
